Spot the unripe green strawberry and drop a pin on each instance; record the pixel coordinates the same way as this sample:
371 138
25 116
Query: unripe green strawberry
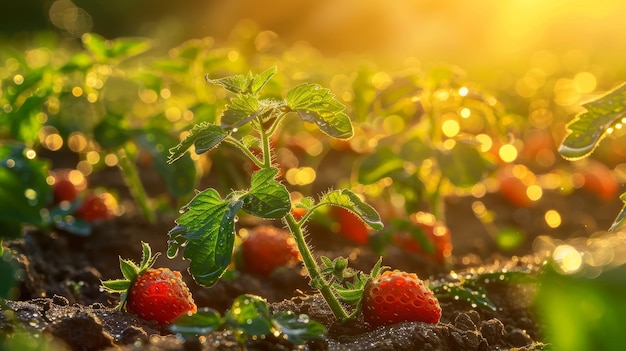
396 296
161 295
154 294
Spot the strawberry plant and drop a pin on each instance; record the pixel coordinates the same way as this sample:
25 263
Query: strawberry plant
205 231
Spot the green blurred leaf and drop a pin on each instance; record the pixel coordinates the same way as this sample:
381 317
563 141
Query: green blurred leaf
588 128
351 202
580 313
463 165
266 198
206 135
104 50
250 314
298 328
206 230
382 163
318 105
179 178
24 192
112 132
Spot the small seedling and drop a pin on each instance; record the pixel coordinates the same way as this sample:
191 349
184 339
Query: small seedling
205 231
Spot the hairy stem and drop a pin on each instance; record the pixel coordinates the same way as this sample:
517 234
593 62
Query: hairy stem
317 279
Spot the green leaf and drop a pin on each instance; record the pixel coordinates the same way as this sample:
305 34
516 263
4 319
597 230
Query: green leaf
351 202
24 192
621 217
237 84
588 128
298 328
248 84
318 105
203 322
112 132
463 165
241 110
267 198
180 179
250 314
206 230
259 81
383 163
104 50
204 136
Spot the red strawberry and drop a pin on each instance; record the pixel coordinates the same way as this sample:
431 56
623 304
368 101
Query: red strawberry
93 208
397 296
161 295
350 225
64 190
153 294
267 248
437 233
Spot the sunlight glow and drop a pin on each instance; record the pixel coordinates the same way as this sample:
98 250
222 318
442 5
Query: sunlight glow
567 259
450 128
553 218
507 153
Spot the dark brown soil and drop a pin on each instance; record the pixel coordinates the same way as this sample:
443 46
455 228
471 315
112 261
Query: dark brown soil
60 297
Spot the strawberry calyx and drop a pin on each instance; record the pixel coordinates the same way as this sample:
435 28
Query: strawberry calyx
130 271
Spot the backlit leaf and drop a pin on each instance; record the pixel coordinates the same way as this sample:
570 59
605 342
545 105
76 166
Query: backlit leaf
239 111
319 106
267 198
351 202
204 136
588 128
206 230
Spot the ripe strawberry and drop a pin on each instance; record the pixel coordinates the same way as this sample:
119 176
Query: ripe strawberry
93 208
63 190
161 295
396 296
350 225
152 294
437 233
267 248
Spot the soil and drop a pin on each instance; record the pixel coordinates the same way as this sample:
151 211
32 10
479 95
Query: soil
59 296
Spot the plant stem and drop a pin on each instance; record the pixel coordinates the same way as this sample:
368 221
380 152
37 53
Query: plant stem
317 279
134 184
